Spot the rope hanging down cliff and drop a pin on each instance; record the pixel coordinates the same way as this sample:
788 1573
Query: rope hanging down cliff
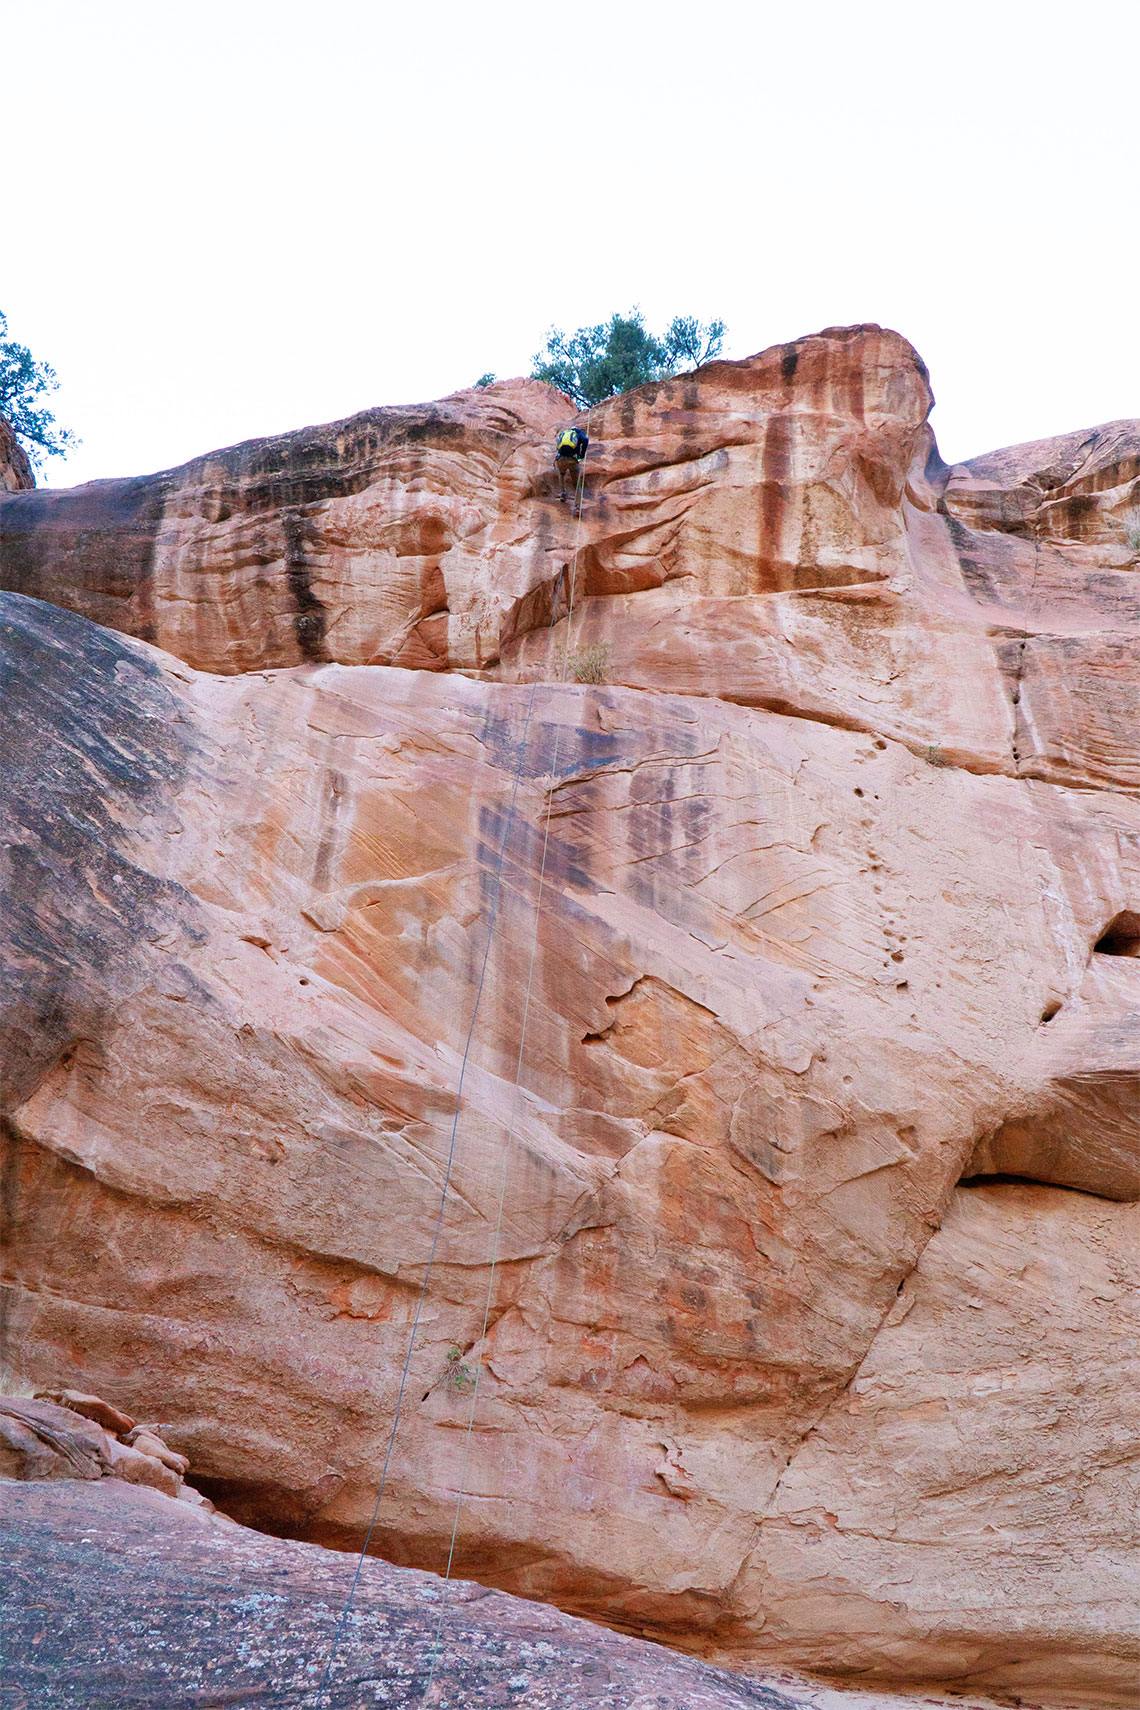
461 1494
320 1689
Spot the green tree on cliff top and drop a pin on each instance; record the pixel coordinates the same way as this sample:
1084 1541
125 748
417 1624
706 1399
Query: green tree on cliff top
23 382
599 362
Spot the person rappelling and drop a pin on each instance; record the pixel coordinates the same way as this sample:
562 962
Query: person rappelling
569 454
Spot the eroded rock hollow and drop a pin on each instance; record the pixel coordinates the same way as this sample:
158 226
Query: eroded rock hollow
707 935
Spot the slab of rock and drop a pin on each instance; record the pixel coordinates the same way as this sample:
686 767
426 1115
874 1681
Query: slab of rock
39 1440
785 978
1081 488
117 1599
984 1464
149 1443
1046 537
136 1467
430 536
43 1439
91 1407
402 536
779 531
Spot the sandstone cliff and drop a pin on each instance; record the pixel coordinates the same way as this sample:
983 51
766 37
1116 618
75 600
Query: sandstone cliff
833 886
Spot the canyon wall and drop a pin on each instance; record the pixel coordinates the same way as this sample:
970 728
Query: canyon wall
715 1002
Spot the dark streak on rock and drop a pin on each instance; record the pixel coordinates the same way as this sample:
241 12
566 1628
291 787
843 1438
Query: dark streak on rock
335 793
789 362
309 616
777 465
91 750
9 1211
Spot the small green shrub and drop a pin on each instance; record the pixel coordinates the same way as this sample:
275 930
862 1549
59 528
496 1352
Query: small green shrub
484 380
457 1375
600 362
589 664
935 756
1132 531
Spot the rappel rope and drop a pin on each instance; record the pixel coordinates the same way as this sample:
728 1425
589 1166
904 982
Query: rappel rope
579 498
1020 721
320 1688
462 1492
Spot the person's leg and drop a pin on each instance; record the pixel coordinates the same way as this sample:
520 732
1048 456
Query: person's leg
567 472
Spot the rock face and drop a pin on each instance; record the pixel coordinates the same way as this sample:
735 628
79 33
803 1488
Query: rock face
1051 526
1076 491
976 1461
400 537
15 470
653 1021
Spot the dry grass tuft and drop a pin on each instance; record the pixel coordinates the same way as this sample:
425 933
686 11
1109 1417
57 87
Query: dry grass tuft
589 664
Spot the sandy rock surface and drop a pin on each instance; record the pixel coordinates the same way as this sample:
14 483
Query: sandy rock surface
700 990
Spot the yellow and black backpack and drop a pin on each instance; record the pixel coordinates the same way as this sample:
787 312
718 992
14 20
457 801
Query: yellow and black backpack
571 442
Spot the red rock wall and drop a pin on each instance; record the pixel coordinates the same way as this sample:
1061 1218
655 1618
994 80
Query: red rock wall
828 868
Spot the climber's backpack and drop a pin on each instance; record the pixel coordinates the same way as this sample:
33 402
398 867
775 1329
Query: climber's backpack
568 442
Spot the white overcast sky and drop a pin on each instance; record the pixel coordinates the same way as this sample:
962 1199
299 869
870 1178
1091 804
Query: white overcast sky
227 220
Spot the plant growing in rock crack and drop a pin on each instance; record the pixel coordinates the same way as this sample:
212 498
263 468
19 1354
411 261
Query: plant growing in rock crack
457 1375
935 756
588 665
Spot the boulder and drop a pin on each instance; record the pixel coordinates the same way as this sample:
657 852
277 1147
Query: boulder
91 1407
39 1440
136 1466
147 1443
77 1437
